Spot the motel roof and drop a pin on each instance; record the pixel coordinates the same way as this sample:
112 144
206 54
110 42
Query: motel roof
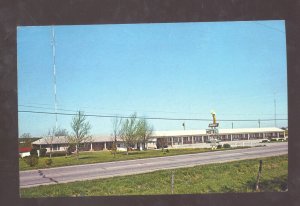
63 139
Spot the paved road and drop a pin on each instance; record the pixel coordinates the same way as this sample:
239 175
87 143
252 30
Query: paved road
103 170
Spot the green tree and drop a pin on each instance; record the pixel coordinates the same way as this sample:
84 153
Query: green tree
26 135
129 132
81 129
25 140
116 132
144 132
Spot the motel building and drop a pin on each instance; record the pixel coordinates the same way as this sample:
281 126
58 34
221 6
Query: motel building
176 139
200 138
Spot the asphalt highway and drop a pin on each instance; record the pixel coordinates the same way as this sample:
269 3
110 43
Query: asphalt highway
56 175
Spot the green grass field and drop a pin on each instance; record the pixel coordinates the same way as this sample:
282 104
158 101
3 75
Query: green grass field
238 176
106 156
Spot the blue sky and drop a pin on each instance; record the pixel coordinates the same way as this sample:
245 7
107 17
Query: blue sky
173 70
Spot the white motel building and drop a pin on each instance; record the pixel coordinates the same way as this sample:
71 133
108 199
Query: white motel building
177 139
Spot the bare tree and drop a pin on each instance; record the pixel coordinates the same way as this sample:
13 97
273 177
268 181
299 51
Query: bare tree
63 134
49 139
81 129
54 133
161 143
116 132
129 132
144 132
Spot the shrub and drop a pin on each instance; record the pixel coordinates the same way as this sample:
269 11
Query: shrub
226 146
43 152
71 149
57 154
48 162
33 152
273 140
265 141
167 150
31 160
219 146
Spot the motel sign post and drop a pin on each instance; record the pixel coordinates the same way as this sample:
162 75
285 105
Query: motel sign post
213 131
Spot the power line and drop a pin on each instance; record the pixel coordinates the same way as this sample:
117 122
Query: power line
150 118
186 113
48 108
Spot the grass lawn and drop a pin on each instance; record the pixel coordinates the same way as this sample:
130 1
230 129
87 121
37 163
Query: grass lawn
238 176
107 156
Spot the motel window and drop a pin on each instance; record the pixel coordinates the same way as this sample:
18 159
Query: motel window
55 147
235 136
268 134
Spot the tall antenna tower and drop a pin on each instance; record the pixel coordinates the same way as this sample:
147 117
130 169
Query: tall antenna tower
54 76
275 112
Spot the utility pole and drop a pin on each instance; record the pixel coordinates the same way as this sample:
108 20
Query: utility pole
258 175
183 124
258 123
172 182
54 76
231 125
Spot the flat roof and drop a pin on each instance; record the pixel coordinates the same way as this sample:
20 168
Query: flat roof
63 140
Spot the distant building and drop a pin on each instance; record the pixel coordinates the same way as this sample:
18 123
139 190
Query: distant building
24 151
174 139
